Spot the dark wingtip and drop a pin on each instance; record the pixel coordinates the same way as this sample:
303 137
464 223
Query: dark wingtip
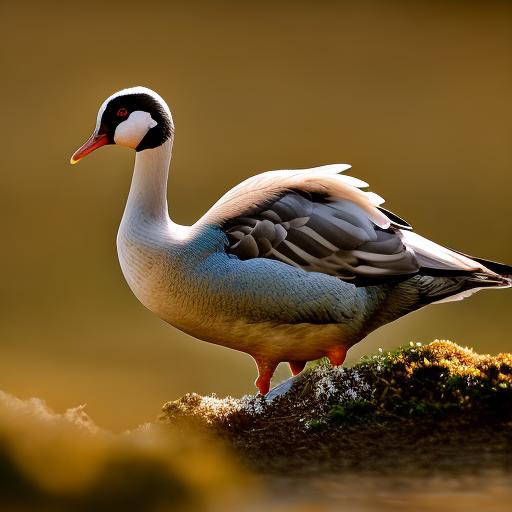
499 268
395 219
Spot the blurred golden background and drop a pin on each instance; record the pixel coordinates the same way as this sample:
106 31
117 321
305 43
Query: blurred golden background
415 95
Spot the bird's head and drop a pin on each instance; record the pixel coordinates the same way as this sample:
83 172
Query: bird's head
136 118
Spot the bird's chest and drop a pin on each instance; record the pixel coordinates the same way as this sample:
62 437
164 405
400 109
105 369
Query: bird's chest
161 272
142 256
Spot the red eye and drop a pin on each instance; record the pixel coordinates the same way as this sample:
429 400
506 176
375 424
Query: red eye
122 112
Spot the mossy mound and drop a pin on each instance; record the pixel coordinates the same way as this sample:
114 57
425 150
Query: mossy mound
421 409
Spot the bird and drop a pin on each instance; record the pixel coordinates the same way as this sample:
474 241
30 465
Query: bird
288 266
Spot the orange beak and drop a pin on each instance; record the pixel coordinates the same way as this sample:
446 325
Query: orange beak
95 141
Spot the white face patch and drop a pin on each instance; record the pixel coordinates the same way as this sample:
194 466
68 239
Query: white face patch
129 133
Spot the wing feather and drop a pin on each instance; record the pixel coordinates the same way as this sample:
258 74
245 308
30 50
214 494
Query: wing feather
320 233
256 191
320 221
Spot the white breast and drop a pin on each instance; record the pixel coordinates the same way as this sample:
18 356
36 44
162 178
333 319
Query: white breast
141 256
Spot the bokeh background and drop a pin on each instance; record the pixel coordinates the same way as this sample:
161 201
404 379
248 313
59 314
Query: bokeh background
415 95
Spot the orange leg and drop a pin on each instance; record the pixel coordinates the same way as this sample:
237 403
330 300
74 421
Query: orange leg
337 356
297 366
266 370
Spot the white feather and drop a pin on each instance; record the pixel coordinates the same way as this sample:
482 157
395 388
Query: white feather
130 132
324 179
423 246
330 168
375 199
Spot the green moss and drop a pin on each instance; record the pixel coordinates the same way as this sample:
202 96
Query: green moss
352 411
314 424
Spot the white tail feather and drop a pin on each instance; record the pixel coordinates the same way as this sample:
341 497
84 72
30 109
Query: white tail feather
434 252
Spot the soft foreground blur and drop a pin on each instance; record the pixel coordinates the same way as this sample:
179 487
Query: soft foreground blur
65 462
425 428
416 95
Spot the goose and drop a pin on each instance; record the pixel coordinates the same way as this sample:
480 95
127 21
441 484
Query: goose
288 266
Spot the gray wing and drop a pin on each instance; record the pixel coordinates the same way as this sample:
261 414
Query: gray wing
318 233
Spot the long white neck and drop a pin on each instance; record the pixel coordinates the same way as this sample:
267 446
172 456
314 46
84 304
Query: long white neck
148 192
146 227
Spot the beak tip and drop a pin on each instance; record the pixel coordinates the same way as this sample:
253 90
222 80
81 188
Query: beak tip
94 142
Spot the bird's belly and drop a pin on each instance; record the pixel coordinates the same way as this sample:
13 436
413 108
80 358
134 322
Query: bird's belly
267 339
276 342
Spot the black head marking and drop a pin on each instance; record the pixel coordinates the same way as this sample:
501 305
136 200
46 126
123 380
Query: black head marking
120 107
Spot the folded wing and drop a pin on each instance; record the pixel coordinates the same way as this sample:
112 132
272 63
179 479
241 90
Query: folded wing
320 221
320 233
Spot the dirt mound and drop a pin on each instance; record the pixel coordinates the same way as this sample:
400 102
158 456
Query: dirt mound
421 409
